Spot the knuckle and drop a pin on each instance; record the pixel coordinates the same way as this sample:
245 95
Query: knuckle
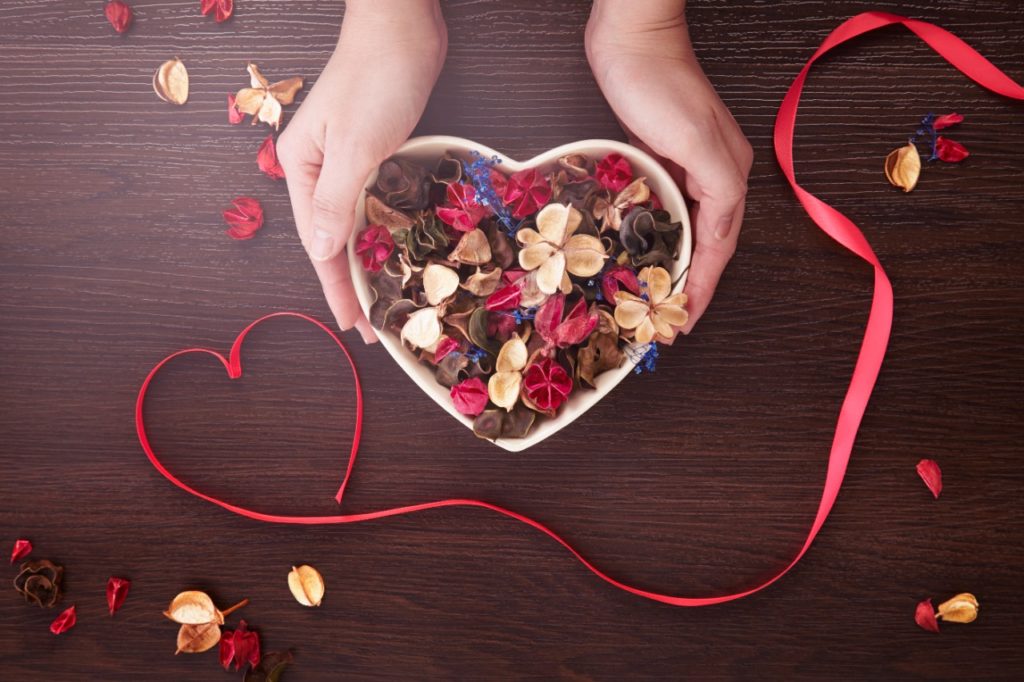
328 205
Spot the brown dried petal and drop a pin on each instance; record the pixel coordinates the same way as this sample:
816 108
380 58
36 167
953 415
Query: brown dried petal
577 165
39 582
472 249
963 608
170 82
249 100
284 91
601 354
449 370
193 607
379 213
501 247
903 167
518 422
386 289
483 283
195 639
306 585
488 424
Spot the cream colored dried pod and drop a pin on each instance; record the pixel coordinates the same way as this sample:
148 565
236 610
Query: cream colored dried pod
503 386
963 608
194 608
439 282
422 329
306 585
473 248
195 639
903 167
170 82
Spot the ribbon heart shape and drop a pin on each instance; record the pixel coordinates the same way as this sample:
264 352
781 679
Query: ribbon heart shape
835 224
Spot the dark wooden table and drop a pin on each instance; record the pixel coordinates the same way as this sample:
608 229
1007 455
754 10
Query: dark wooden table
698 480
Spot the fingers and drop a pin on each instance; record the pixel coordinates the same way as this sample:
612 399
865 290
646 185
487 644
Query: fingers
710 256
334 204
336 280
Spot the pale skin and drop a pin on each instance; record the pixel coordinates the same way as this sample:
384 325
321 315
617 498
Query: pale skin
372 93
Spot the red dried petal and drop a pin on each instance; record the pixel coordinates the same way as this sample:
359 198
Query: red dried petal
615 278
222 9
470 396
245 219
577 326
949 150
119 15
526 192
512 275
464 212
444 347
375 246
925 616
547 384
226 652
22 548
117 591
501 326
549 316
614 172
505 298
947 120
65 621
235 116
266 159
931 474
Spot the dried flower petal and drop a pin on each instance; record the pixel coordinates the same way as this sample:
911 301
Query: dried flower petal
22 548
963 608
482 283
39 582
949 150
903 167
422 329
379 213
119 14
614 172
266 159
513 355
264 101
117 592
618 276
195 639
546 384
445 346
464 211
439 282
503 389
525 192
472 249
170 82
241 646
65 621
234 115
222 9
506 298
924 616
245 219
193 607
375 246
946 120
470 396
306 585
931 474
270 668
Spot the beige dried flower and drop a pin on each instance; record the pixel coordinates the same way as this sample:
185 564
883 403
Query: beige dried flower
264 100
656 312
555 252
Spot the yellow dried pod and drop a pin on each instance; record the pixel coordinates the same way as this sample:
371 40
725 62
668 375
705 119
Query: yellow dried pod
170 82
963 608
903 167
195 639
193 608
306 585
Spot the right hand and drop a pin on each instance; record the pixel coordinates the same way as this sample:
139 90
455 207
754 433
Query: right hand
362 108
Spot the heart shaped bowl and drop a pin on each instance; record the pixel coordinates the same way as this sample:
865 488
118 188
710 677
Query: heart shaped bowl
427 150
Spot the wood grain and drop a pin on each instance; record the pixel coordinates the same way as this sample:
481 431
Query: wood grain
112 254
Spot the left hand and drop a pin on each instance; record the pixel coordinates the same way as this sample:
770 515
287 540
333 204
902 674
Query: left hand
648 72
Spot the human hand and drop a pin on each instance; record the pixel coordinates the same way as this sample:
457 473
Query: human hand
363 107
644 64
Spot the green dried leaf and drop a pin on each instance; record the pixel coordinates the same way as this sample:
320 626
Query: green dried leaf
489 423
270 667
478 332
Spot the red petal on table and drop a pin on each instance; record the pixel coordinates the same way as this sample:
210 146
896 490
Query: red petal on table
266 159
117 591
119 15
925 616
21 550
241 646
65 621
446 346
245 219
947 120
235 116
222 9
470 396
931 474
226 651
506 298
950 150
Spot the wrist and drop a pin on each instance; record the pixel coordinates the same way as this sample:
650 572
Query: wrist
645 26
406 23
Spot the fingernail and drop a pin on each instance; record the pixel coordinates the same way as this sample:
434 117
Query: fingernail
323 245
724 227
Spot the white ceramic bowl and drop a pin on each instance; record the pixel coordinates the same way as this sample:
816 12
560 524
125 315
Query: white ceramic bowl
430 148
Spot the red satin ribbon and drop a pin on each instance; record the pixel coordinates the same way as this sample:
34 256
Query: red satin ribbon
834 223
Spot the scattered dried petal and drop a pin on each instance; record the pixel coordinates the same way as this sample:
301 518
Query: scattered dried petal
195 639
931 474
241 646
264 101
119 14
924 615
65 621
22 548
222 9
170 82
306 584
949 150
505 298
963 608
903 167
245 219
470 396
266 159
234 115
117 592
947 120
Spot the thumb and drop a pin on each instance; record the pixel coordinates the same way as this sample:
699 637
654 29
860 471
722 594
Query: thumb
334 205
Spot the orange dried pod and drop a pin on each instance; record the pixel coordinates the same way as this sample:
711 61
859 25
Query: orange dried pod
903 167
